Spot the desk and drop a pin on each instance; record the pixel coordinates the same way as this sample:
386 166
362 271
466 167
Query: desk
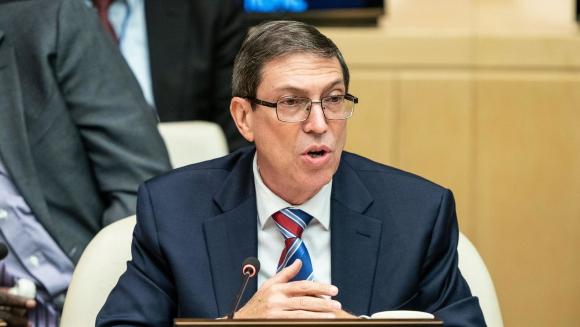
308 322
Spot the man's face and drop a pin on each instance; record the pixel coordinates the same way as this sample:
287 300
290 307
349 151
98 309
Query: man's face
297 159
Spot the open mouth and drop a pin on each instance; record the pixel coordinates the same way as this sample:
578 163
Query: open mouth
316 154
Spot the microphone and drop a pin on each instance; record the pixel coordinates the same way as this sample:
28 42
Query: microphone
250 269
3 251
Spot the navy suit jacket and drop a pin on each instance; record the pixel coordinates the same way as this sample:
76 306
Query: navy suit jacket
393 244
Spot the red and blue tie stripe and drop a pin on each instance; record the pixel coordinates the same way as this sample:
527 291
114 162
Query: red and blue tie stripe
291 223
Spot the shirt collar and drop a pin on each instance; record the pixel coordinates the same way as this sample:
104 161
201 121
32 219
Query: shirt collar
269 203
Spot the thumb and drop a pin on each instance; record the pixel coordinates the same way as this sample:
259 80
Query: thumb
288 273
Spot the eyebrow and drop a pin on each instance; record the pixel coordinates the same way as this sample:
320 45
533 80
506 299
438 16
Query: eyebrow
303 91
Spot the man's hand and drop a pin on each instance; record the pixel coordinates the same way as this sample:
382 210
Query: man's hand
13 308
280 299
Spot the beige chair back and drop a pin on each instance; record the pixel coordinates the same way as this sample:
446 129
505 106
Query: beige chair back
477 276
193 141
101 265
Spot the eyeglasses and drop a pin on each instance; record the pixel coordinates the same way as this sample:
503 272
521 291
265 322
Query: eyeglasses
295 109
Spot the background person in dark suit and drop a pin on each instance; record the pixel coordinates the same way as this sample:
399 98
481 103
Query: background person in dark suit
76 139
182 53
377 238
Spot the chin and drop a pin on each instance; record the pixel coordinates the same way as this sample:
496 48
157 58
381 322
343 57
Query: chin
318 179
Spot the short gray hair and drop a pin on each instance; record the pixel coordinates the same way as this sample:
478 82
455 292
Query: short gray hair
276 39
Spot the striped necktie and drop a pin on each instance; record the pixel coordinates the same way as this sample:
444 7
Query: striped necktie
291 223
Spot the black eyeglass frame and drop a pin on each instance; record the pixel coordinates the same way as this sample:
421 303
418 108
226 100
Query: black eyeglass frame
275 106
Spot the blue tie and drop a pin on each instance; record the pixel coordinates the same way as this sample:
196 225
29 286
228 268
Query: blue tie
291 223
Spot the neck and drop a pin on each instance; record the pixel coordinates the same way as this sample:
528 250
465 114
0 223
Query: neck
294 196
288 191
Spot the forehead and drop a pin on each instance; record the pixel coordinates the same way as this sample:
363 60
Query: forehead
301 71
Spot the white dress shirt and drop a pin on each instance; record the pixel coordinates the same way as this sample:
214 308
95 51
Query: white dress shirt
316 236
128 20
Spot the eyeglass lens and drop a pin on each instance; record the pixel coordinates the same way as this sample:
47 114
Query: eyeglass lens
298 109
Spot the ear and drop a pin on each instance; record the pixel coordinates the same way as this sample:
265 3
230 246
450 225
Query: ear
242 113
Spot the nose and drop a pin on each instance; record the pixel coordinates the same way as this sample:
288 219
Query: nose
316 122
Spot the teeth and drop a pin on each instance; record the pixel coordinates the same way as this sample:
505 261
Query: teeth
316 154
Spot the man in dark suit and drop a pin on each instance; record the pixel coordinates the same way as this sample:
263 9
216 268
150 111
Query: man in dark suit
76 138
371 237
182 52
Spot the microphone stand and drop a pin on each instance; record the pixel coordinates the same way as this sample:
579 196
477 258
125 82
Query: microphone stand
247 275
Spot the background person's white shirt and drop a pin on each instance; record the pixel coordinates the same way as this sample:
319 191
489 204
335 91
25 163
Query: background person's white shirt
128 20
316 236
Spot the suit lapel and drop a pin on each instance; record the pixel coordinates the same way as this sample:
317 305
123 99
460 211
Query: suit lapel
14 146
232 236
355 241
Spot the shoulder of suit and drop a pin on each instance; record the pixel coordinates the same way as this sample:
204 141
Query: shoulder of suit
34 4
367 167
26 17
29 26
221 166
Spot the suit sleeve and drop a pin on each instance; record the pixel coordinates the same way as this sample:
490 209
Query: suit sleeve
443 290
117 127
230 34
145 292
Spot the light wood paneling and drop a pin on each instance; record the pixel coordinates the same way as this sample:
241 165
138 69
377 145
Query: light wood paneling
523 15
373 129
528 51
372 48
421 14
498 16
499 128
435 133
484 98
528 194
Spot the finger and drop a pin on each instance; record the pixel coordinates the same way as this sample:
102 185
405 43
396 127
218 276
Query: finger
309 303
18 311
287 273
305 287
10 300
13 320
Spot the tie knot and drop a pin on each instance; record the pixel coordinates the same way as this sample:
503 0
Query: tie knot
102 5
291 222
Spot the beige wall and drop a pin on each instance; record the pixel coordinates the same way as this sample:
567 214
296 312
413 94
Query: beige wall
483 97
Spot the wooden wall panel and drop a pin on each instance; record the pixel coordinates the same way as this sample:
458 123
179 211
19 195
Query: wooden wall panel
528 191
413 14
373 129
488 106
499 16
523 15
435 133
538 52
372 48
